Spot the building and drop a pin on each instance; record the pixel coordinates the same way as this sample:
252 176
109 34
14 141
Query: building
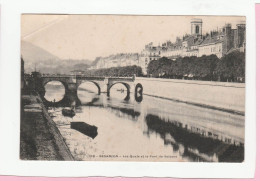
148 54
217 42
117 60
196 26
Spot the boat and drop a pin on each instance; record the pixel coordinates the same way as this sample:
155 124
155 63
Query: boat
85 128
68 112
120 90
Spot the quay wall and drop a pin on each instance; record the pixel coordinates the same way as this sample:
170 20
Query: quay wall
225 96
63 149
40 139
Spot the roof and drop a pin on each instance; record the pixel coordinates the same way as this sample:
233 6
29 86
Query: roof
196 20
192 50
198 42
233 50
188 37
178 43
211 40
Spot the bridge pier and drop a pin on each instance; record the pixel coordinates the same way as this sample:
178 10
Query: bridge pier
71 99
71 88
71 96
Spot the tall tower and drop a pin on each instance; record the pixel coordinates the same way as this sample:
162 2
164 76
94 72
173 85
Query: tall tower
196 26
241 34
228 42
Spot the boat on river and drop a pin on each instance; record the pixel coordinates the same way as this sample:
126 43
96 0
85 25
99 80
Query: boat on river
84 128
68 112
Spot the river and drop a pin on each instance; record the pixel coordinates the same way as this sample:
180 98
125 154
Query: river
152 129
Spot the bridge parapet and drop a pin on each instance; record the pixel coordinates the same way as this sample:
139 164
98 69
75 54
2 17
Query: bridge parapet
56 75
82 77
121 79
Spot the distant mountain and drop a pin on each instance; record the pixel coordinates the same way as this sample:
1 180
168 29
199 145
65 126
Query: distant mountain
46 62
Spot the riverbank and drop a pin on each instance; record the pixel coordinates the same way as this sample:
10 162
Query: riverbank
40 139
223 96
200 105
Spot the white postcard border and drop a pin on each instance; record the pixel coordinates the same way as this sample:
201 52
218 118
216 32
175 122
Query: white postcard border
11 11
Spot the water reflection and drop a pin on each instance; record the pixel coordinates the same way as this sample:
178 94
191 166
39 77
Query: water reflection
85 89
119 91
199 147
55 91
165 130
138 97
125 111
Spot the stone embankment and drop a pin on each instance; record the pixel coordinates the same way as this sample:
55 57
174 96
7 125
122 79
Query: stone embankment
223 96
40 139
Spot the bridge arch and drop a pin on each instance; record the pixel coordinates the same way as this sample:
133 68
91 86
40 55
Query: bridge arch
64 83
53 80
45 82
124 83
95 83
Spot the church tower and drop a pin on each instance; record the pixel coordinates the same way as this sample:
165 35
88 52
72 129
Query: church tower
196 26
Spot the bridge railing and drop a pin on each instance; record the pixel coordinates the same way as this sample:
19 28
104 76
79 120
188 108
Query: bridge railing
85 76
55 75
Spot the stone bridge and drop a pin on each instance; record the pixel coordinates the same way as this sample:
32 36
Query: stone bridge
72 82
104 84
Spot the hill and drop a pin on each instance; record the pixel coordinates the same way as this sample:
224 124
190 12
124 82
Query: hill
46 62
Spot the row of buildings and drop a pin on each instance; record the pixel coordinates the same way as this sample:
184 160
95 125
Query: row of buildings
218 42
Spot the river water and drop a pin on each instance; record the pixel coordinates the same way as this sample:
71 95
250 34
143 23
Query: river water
152 129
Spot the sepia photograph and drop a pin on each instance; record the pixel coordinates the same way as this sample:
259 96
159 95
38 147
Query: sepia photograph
136 88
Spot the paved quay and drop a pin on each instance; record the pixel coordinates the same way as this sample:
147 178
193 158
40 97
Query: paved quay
40 138
223 96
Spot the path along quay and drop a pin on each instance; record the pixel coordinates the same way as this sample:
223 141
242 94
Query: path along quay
40 138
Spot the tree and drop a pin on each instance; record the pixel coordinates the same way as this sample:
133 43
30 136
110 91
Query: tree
127 71
231 66
160 68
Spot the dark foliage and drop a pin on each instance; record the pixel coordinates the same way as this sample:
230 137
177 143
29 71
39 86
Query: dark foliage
230 68
127 71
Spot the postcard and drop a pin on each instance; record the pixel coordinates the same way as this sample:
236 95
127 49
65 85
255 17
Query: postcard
135 93
143 90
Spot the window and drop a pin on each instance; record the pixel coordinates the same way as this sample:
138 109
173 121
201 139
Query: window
197 29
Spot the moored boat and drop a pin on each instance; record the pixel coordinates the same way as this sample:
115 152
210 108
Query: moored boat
68 112
86 129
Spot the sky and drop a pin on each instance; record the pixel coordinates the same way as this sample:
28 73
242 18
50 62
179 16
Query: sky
91 36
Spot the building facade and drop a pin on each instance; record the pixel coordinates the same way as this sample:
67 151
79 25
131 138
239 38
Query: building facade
218 42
